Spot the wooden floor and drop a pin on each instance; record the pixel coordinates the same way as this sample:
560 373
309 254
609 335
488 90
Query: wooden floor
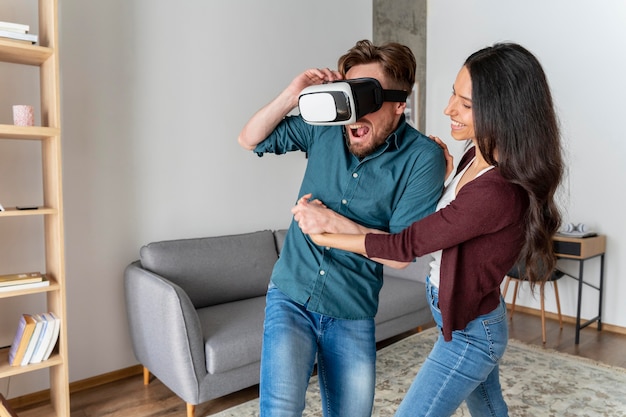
129 397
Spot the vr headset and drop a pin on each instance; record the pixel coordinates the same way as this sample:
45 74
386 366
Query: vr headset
344 102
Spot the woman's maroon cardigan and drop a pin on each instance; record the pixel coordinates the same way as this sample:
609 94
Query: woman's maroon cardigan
481 233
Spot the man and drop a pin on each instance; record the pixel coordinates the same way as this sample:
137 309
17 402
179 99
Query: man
377 174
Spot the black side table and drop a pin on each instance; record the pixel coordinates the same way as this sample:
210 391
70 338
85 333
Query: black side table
581 249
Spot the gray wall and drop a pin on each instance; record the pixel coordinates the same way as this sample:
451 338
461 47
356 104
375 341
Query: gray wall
154 94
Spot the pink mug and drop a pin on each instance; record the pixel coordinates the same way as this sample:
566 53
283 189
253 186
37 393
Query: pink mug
23 115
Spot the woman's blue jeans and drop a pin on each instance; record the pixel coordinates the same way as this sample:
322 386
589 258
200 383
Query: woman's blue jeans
464 369
346 359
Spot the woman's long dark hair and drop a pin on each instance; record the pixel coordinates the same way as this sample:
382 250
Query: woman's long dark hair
515 123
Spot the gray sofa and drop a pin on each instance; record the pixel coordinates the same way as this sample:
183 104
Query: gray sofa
196 306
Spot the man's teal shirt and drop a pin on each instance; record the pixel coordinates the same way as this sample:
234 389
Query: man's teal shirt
398 184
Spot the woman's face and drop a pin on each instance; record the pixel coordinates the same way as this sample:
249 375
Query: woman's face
460 107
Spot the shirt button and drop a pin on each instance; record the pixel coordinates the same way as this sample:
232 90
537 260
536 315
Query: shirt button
355 175
344 201
322 272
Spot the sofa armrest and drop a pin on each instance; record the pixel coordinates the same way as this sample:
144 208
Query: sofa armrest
165 330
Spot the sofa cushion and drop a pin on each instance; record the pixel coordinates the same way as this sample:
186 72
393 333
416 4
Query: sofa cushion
215 270
233 334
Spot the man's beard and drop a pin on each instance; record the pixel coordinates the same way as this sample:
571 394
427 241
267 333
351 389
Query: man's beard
363 151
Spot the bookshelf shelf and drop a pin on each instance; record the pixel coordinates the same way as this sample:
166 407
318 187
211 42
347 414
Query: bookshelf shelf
28 132
16 292
12 211
23 53
7 370
45 56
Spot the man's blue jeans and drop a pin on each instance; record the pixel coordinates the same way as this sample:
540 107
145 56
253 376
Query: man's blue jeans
465 368
346 360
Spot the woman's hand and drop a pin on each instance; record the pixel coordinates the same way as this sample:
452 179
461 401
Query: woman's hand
312 215
446 154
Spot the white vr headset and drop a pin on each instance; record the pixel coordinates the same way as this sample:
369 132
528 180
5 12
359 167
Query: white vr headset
344 102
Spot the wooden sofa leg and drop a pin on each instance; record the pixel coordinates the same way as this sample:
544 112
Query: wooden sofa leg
146 376
190 410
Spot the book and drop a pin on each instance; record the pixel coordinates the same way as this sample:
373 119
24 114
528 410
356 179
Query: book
22 278
17 287
5 408
14 27
44 338
32 38
55 335
25 330
34 338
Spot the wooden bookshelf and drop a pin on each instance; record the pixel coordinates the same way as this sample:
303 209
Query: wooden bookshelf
45 56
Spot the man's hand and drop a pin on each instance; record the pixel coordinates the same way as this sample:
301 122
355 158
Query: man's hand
313 76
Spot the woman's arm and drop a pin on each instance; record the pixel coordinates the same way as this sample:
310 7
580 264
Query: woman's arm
350 243
316 220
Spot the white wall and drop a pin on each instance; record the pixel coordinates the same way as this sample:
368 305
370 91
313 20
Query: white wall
581 46
154 94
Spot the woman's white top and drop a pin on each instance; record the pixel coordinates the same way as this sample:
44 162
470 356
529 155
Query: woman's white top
449 194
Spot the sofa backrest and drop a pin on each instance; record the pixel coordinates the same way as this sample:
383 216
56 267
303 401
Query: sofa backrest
215 270
280 235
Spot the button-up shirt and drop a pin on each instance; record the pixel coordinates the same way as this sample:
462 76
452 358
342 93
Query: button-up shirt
388 190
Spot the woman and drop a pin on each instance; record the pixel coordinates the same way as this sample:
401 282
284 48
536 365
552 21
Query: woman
498 209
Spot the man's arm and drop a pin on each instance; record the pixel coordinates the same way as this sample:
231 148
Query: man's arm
263 122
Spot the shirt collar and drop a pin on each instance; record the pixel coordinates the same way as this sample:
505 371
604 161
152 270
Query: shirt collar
396 138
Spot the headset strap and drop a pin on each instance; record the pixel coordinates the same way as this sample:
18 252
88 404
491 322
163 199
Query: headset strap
395 95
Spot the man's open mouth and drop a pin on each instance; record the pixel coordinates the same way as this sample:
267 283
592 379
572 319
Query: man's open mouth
358 130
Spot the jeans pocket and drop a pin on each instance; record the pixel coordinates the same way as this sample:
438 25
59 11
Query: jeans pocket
433 300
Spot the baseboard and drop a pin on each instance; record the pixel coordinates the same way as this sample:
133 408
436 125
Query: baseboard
568 319
40 397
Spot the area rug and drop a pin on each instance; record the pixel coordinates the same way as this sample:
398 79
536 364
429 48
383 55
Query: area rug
536 382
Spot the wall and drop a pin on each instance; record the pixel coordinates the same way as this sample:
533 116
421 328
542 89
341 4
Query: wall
154 94
581 48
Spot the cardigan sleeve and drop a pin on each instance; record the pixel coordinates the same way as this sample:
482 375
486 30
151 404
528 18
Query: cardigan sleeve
483 206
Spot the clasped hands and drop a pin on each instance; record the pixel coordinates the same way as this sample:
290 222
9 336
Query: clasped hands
313 217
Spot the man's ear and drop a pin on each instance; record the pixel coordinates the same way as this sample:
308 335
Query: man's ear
400 107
